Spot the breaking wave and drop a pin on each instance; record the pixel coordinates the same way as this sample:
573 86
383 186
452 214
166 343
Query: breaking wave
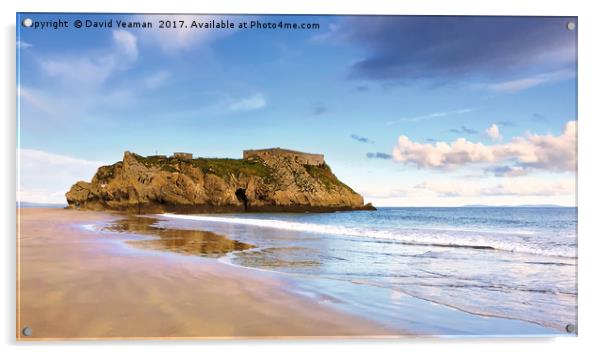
415 237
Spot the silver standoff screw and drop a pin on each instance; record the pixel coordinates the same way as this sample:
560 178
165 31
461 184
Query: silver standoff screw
571 25
27 331
570 328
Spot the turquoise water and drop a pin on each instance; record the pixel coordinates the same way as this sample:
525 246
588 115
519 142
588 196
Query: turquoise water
471 270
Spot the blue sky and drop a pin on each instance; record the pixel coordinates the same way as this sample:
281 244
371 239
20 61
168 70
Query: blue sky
407 110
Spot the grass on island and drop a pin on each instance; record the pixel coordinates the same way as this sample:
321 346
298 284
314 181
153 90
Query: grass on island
323 174
221 167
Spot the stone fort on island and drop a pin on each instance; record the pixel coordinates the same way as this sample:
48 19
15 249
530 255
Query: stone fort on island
297 156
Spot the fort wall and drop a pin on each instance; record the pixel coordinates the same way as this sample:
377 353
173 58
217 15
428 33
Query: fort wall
298 156
182 155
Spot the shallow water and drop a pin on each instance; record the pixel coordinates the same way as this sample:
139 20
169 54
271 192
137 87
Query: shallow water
505 263
191 242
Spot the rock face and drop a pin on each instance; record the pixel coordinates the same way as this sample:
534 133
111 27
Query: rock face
161 184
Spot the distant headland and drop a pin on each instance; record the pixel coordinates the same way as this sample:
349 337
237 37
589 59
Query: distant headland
270 180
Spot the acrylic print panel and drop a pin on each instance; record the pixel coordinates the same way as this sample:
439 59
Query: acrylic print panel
250 176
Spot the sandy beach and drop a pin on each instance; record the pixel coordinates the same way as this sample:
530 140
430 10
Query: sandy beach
73 283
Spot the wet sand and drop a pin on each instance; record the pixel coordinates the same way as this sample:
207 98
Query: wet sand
75 283
190 242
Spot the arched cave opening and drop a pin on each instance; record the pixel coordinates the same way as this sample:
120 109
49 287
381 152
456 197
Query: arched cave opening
241 195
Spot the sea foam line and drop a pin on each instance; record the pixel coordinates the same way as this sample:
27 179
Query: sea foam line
436 240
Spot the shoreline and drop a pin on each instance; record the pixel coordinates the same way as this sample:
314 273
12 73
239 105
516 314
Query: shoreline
75 284
159 208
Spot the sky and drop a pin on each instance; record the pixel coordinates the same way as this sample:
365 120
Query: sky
408 111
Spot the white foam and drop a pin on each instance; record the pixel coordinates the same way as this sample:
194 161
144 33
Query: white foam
89 227
426 237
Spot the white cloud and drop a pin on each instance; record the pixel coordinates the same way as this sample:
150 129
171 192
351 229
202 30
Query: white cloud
441 154
250 103
36 99
92 69
549 152
458 192
531 81
155 80
376 191
511 187
45 109
332 32
532 151
430 116
82 82
493 132
46 177
24 45
81 71
127 43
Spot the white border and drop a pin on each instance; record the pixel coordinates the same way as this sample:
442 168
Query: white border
589 171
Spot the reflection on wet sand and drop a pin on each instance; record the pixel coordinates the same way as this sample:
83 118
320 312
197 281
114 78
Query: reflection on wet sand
192 242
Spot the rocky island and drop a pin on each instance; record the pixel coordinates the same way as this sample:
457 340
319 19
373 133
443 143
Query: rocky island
271 180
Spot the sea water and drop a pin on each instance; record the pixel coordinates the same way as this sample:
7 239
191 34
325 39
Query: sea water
467 270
